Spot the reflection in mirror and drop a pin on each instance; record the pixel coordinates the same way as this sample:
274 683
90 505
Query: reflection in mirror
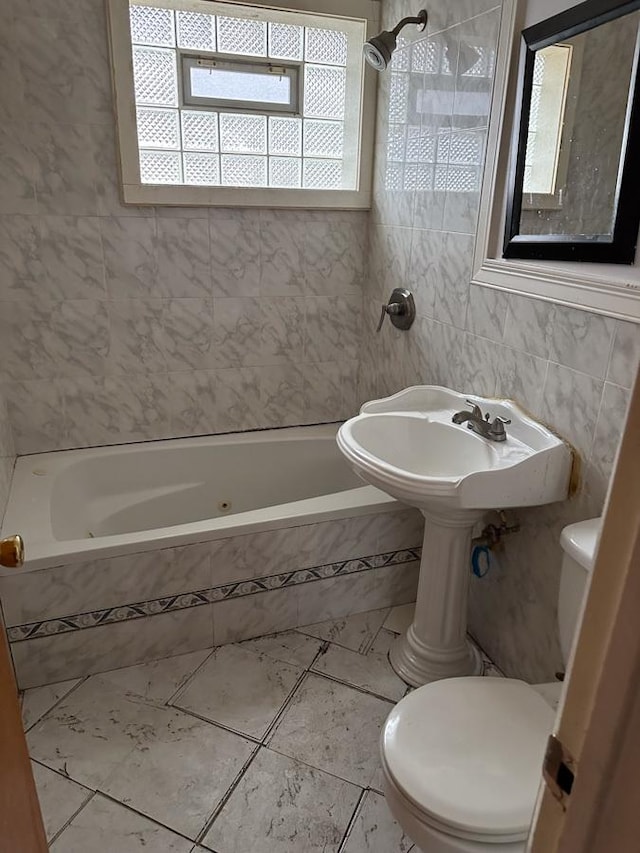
572 197
576 129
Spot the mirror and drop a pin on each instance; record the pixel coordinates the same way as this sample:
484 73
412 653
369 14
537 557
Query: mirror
575 171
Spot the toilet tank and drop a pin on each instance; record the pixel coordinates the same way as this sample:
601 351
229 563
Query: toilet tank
579 542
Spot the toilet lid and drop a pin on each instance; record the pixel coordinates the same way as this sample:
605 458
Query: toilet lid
468 753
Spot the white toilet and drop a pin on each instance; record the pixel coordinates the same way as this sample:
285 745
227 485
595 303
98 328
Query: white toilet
462 757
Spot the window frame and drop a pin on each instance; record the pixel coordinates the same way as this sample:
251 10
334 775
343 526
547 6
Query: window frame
133 191
290 69
553 201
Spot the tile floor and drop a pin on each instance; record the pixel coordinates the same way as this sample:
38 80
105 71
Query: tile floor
267 746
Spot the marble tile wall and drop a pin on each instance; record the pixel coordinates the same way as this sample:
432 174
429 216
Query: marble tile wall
571 368
48 659
129 323
80 618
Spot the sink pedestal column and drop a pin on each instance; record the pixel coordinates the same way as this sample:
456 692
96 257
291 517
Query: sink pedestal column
435 645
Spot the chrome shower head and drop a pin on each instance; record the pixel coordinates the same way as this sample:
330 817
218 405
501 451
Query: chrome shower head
378 50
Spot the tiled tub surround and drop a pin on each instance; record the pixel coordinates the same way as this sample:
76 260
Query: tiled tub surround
571 369
291 723
123 324
85 617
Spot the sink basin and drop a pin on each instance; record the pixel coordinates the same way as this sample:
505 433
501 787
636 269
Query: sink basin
418 447
408 446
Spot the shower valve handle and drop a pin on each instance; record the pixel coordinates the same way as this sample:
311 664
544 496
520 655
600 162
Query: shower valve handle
401 309
393 309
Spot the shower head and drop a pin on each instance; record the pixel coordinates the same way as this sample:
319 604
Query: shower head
377 51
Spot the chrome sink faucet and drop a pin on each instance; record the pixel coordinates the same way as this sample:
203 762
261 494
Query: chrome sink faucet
493 430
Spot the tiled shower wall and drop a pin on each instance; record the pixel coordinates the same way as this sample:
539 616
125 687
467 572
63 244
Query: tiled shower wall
573 369
123 324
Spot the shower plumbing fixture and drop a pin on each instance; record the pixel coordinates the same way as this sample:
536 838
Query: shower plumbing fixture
401 309
377 51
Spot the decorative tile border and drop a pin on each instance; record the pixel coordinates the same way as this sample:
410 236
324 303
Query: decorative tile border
185 600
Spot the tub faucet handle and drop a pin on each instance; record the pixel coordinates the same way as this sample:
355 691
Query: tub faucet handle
12 552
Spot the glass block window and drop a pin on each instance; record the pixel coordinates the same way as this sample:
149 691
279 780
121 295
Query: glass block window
158 128
195 30
155 76
160 167
241 35
286 41
199 130
285 136
233 96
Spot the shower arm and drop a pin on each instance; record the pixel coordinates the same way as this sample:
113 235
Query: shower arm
420 19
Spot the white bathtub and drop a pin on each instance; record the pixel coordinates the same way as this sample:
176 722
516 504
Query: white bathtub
144 551
88 504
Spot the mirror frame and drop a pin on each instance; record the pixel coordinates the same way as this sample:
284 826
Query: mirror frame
620 246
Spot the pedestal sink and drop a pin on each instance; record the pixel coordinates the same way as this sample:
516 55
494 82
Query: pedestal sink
408 446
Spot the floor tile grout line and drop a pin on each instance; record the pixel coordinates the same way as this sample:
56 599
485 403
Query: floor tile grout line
275 722
64 826
318 769
188 713
273 635
301 629
252 738
324 648
170 703
486 657
142 814
81 681
368 645
226 796
358 687
353 687
180 689
62 775
352 820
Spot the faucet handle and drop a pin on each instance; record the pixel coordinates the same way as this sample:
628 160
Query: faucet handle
497 430
475 408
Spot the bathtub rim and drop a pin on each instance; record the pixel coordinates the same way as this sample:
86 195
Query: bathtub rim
43 552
